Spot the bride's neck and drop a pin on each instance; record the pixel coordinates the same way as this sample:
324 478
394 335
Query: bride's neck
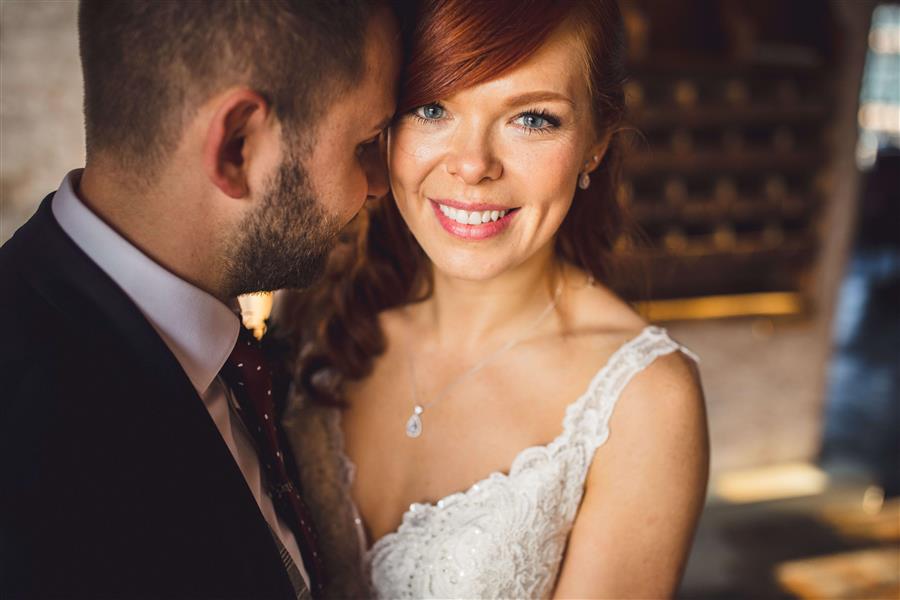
475 316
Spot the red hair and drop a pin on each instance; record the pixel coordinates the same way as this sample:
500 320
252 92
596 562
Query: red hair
451 45
456 44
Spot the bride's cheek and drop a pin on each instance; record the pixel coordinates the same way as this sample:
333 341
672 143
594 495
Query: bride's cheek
421 144
413 158
548 170
557 171
402 159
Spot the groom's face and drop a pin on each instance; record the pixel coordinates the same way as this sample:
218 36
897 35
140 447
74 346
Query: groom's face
345 163
319 187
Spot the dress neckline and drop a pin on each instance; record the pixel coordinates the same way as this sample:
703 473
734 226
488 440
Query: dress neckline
418 508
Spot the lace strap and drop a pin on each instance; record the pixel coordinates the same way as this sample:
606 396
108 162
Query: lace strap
589 419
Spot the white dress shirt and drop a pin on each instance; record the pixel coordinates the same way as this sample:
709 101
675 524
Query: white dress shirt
199 330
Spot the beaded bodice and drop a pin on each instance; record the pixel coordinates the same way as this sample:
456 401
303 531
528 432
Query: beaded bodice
504 537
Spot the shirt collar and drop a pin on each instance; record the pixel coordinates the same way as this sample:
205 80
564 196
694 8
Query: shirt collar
199 329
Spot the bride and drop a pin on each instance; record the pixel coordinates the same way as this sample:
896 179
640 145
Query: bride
457 375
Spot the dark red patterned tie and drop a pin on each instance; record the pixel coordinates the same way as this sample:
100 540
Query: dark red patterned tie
249 374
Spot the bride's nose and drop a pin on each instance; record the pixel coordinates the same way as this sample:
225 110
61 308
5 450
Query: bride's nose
471 158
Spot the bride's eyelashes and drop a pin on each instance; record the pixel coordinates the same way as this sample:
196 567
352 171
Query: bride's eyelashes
538 120
429 113
535 120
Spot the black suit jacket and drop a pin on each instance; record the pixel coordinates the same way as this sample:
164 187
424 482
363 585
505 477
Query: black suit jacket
114 481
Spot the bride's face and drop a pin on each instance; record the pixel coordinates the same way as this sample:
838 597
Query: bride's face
485 177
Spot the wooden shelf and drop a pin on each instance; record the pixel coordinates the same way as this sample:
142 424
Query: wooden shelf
716 161
768 304
723 170
723 115
711 210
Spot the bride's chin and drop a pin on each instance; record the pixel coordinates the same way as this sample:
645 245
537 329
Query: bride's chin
466 268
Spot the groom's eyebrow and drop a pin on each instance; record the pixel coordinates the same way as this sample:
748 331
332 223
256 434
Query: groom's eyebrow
384 122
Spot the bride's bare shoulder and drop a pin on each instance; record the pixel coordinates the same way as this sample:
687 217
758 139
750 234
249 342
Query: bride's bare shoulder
595 312
600 321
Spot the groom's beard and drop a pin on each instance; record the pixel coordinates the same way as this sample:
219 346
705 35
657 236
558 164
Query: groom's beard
285 242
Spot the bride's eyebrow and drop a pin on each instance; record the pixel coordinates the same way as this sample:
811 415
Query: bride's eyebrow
539 96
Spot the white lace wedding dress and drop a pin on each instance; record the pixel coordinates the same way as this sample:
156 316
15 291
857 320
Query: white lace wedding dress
502 538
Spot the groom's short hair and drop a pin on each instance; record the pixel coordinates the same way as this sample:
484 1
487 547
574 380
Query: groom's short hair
149 64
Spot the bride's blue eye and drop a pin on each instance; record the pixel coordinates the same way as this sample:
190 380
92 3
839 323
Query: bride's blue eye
430 112
537 121
533 121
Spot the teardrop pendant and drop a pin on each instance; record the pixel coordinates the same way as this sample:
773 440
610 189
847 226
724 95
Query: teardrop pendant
414 424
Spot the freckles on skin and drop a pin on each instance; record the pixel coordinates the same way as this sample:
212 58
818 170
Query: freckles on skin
543 181
410 159
406 145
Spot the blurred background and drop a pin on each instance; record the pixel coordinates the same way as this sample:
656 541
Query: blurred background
764 171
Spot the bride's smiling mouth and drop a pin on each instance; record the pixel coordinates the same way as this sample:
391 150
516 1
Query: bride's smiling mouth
472 221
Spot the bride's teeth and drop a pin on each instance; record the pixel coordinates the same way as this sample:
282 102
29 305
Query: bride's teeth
466 217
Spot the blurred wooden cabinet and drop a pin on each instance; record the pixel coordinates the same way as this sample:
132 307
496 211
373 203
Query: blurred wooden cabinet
726 169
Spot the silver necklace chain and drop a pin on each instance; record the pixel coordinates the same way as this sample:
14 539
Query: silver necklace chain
414 423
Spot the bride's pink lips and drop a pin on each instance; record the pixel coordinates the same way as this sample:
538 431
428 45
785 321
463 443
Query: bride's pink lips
472 232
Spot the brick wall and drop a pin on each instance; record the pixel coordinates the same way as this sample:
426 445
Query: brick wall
41 135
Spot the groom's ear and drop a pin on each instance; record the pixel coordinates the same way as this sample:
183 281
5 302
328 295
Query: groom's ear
241 115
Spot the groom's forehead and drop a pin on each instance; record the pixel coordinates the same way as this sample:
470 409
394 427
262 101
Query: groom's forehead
382 60
382 48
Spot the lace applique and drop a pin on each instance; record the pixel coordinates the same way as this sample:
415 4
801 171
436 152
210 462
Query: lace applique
505 536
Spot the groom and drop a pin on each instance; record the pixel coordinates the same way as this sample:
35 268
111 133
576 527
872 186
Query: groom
228 141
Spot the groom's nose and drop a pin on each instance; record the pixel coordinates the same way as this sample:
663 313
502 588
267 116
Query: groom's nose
375 167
